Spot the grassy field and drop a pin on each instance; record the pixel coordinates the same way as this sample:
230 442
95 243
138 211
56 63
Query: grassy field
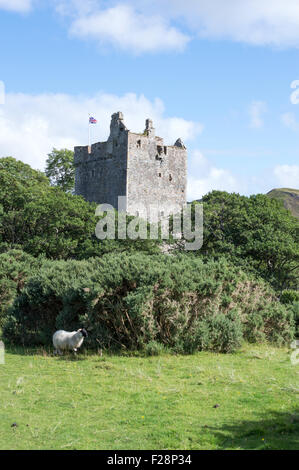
164 402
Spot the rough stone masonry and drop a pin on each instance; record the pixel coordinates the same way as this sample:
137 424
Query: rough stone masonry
152 176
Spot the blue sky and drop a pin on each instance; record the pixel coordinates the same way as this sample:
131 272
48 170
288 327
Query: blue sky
218 76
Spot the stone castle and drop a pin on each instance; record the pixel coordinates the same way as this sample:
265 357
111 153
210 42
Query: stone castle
138 166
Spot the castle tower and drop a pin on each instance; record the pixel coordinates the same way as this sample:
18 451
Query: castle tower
138 166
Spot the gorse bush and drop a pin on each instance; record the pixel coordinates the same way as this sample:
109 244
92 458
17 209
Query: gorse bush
289 296
38 309
153 348
139 301
295 308
15 268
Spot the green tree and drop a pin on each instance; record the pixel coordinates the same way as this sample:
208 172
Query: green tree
41 219
19 184
256 232
60 169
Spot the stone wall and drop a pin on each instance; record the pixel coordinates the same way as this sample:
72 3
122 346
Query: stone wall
157 175
138 166
101 171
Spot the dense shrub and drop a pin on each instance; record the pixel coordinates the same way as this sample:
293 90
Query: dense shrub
37 309
256 231
295 309
138 301
153 348
289 296
15 268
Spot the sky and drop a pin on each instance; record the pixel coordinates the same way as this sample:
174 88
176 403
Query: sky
221 75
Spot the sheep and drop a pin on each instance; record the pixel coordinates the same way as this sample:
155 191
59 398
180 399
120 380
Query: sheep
65 340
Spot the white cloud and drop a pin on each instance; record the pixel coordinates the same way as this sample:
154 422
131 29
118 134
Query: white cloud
151 25
31 125
287 176
75 8
16 5
155 25
258 22
179 127
124 27
2 92
256 111
289 120
205 177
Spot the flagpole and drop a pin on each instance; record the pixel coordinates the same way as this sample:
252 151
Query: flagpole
91 120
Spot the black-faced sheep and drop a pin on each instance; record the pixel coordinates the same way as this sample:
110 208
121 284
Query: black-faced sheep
68 341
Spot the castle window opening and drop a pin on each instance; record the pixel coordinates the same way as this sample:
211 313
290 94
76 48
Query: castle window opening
170 178
160 175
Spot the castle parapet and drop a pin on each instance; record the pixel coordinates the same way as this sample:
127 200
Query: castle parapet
149 128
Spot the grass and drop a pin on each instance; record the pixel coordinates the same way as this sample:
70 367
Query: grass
164 402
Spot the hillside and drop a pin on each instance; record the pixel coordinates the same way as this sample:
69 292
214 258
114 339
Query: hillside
290 198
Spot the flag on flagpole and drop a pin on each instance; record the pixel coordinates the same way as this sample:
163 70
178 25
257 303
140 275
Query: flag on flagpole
91 120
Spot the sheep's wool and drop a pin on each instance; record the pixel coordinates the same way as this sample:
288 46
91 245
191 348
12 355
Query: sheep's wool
67 340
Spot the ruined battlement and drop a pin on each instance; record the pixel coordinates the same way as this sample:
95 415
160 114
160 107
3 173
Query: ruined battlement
136 165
